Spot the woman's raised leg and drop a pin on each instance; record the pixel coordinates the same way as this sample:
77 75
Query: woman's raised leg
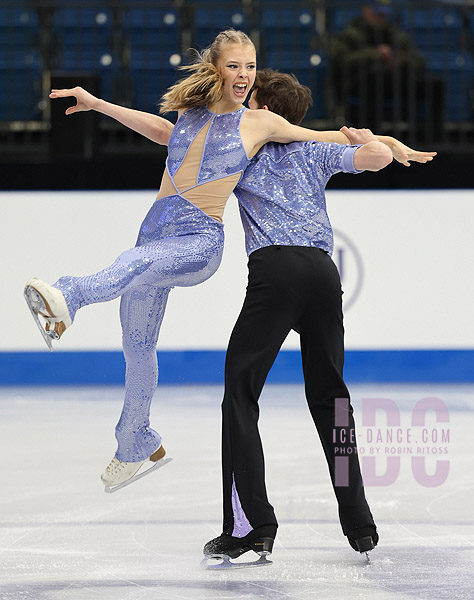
185 260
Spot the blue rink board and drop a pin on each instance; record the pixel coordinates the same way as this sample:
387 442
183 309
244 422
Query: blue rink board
207 366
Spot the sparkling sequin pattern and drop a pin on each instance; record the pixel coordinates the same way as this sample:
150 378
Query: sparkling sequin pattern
187 127
141 313
178 245
282 194
223 152
242 525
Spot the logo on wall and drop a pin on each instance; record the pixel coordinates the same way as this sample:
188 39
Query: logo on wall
349 263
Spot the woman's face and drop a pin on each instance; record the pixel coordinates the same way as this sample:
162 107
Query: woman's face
237 65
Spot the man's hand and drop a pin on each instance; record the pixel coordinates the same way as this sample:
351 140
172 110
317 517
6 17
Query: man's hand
85 101
358 136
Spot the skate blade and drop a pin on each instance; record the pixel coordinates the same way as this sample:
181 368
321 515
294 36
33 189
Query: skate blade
227 564
36 304
159 463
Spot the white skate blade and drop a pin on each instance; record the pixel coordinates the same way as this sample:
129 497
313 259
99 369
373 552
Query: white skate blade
157 465
36 304
227 564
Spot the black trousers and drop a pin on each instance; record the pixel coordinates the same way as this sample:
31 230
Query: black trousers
297 288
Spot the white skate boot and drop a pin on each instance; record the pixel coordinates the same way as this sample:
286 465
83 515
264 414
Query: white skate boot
45 300
119 474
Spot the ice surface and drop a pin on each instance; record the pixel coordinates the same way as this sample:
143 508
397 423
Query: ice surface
63 538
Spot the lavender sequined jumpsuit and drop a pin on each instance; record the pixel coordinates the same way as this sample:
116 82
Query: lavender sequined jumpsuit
178 245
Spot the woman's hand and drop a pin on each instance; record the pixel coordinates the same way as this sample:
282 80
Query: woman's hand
403 154
153 127
85 101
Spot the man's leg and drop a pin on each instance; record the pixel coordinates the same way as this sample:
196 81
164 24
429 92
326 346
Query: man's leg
262 326
322 347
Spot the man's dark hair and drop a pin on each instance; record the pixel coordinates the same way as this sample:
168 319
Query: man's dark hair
283 94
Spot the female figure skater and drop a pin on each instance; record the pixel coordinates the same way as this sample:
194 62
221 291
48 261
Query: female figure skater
181 239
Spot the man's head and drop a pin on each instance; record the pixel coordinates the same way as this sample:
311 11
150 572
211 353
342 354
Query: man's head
376 12
281 93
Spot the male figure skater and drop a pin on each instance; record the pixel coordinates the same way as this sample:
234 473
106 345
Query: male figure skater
292 284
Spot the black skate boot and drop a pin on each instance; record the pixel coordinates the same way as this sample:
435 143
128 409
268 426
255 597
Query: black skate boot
363 539
225 547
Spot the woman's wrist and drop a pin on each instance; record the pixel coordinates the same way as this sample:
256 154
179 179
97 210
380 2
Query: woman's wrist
99 105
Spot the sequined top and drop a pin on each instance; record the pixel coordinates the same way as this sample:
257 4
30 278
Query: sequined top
206 158
281 195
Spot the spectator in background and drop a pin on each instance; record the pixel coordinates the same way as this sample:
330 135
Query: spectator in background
380 75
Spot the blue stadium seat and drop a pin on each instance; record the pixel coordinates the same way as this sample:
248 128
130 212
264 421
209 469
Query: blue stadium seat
85 59
85 43
18 28
457 71
101 62
83 17
287 27
236 5
154 36
152 73
209 21
157 28
339 18
433 29
20 92
18 17
272 3
310 68
286 22
83 28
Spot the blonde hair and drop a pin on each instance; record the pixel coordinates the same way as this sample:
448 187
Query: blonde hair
205 84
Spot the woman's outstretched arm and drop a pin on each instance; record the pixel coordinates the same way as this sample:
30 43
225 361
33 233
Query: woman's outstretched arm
401 153
155 128
262 122
262 126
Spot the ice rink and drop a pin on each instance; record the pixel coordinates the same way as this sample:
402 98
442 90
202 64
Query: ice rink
63 538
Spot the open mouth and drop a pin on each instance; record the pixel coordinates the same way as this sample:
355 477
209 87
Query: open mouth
240 89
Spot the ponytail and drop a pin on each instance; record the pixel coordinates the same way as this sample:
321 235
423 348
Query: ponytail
202 87
205 84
